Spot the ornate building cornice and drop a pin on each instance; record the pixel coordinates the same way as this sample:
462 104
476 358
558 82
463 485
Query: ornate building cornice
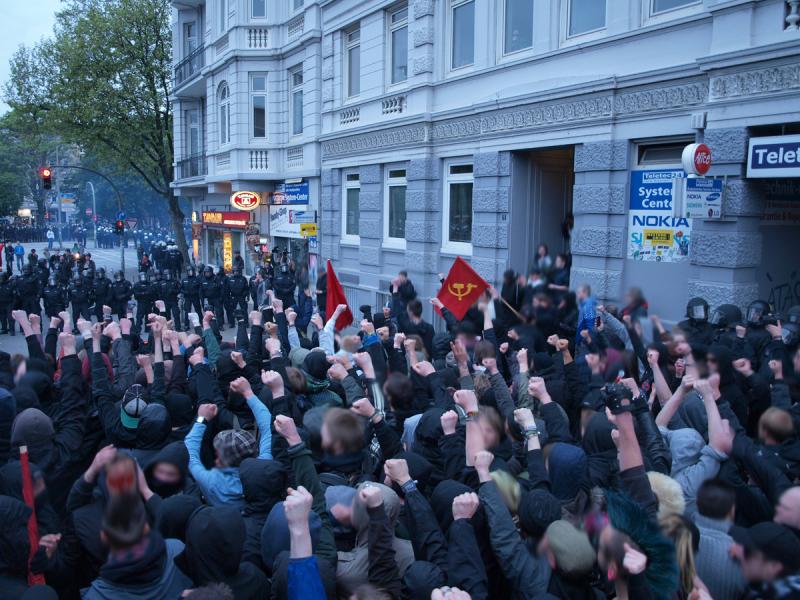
755 82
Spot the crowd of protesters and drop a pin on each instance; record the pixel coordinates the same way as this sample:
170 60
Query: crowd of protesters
543 446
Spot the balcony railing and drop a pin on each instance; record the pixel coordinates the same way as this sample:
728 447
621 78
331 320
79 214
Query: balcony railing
191 166
190 66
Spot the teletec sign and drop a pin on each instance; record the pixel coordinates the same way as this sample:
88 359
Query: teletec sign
696 159
775 156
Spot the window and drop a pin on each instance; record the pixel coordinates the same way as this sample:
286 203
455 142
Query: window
586 16
352 70
462 33
394 220
223 15
518 26
258 95
258 10
296 86
665 153
398 41
189 38
224 100
665 5
297 4
350 209
457 214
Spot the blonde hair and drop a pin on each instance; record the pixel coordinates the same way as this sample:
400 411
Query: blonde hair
669 494
509 489
675 528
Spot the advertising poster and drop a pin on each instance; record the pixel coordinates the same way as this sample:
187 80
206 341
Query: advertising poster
291 193
654 234
285 221
703 198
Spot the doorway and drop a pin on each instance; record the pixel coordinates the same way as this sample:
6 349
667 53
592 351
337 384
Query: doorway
541 203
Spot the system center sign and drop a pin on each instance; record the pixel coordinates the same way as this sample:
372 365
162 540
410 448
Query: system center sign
245 200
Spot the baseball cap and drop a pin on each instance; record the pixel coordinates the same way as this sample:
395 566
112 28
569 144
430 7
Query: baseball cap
774 541
133 405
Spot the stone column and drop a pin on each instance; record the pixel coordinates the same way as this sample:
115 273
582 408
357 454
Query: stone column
726 253
330 213
370 226
423 231
598 239
490 214
421 37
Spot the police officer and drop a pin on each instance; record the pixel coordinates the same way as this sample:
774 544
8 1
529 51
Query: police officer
696 326
211 292
29 291
238 289
284 285
145 294
79 297
190 288
724 320
42 272
227 300
170 288
758 316
101 292
55 297
7 296
175 260
120 292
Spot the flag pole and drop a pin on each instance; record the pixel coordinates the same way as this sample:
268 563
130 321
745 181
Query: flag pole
30 501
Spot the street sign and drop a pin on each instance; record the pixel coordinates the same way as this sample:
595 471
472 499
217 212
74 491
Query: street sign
131 222
120 216
88 212
308 229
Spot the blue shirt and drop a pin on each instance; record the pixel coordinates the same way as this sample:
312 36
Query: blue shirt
223 486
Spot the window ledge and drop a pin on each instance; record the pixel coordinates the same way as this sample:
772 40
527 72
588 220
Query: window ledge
394 244
456 249
349 240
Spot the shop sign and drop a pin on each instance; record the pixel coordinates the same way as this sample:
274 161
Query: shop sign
696 159
286 222
308 229
703 198
226 219
291 193
774 156
227 251
245 200
654 234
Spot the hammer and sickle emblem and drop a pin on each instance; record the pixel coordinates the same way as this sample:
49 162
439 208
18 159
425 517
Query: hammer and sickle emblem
460 290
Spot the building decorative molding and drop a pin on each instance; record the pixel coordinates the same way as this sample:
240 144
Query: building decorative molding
424 35
327 69
400 136
755 82
423 64
423 8
658 99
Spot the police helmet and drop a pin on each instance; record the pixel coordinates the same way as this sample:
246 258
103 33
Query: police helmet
208 271
52 281
190 271
143 276
790 333
101 272
697 309
793 314
237 271
756 312
119 276
725 315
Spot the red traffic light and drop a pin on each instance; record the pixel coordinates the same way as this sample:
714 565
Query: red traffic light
46 173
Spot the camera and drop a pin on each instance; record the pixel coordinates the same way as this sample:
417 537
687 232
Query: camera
771 319
613 396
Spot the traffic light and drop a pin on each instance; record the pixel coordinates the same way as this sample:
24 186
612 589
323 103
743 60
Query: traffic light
47 178
119 227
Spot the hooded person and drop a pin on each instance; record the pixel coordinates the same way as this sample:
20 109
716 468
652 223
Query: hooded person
151 433
693 461
174 514
167 471
600 451
720 360
352 569
317 386
42 385
568 471
571 558
25 397
427 434
213 553
263 485
181 414
11 485
275 539
421 578
14 546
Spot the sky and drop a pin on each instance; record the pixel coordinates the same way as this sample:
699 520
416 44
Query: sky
22 22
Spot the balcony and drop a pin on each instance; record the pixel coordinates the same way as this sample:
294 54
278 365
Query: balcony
190 66
191 166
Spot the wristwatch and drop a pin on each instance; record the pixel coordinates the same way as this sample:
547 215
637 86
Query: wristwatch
201 420
472 415
531 431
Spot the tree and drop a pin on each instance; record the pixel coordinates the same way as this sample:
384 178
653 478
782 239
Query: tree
103 82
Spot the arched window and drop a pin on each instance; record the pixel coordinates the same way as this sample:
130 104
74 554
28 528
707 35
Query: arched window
224 100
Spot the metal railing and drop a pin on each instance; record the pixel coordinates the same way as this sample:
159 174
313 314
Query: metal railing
191 166
190 66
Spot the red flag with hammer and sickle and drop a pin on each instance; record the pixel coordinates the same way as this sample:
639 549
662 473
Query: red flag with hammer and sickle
461 288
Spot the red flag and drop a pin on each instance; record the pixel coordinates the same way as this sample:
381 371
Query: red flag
335 298
33 528
461 288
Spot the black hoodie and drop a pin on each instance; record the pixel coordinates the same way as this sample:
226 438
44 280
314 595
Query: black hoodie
729 389
14 547
174 454
263 485
11 485
214 544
